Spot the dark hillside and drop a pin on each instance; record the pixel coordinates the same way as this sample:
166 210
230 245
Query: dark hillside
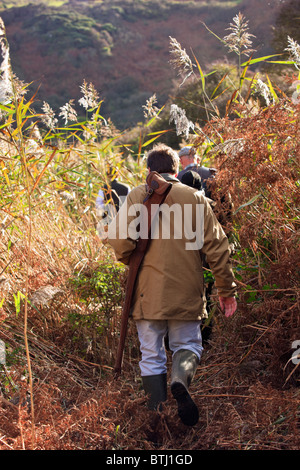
122 47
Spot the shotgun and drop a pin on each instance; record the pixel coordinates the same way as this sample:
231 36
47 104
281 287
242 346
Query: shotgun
157 190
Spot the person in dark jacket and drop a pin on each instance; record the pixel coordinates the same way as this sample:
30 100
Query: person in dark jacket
189 161
192 179
112 193
109 200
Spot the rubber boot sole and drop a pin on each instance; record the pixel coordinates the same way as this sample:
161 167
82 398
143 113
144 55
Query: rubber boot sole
187 410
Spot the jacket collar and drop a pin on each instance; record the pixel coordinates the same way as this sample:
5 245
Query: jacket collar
169 177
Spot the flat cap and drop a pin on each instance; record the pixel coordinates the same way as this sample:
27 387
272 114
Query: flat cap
189 150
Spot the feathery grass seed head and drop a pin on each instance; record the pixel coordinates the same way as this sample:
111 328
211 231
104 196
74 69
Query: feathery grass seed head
263 89
6 89
183 125
239 39
150 110
180 59
48 117
294 51
90 98
68 113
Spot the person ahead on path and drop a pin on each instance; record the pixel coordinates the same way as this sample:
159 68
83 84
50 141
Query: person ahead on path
169 290
189 161
193 179
112 193
109 200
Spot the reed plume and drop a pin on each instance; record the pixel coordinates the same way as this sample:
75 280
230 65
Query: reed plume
183 125
150 110
90 98
48 118
68 113
6 88
238 40
294 51
263 89
180 59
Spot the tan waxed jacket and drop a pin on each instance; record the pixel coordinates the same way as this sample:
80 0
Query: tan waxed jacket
170 281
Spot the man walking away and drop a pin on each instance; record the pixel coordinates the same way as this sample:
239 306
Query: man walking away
169 290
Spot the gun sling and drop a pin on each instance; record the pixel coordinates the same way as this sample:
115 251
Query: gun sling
157 190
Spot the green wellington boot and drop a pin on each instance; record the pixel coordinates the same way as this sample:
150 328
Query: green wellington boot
184 366
155 387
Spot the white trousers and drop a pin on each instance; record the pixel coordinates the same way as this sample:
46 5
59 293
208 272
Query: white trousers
182 335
